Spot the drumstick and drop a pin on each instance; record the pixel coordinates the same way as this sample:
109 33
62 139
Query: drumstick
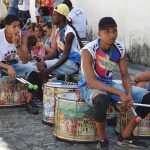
138 118
30 86
137 104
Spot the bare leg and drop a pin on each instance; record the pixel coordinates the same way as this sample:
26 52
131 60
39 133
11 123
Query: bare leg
101 130
130 127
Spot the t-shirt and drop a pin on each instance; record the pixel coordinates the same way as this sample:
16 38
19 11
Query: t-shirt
103 63
24 5
75 48
79 21
7 50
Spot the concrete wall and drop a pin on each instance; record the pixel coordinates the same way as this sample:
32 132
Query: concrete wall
133 19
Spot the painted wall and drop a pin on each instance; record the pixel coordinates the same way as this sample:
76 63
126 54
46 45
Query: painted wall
133 19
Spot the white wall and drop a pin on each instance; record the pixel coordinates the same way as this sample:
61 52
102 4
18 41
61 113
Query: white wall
133 19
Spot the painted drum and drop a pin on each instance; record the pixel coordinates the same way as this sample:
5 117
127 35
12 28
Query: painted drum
73 119
12 92
143 129
50 90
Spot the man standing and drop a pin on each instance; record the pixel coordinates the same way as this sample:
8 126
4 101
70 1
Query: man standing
12 6
98 59
11 44
78 19
65 58
24 10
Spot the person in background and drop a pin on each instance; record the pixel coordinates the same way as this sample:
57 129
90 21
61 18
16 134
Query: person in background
78 19
44 15
41 37
12 6
47 29
24 10
65 57
98 58
142 79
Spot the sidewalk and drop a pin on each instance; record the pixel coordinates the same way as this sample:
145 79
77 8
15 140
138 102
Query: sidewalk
21 131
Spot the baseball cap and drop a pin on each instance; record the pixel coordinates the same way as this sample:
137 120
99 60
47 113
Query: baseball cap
106 22
63 9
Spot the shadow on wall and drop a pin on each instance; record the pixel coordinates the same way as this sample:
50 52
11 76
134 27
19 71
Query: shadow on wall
139 54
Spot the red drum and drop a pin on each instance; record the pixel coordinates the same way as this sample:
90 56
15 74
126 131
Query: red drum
12 92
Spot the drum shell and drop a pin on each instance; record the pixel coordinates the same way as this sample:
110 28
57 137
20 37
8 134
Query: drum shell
49 93
73 120
143 129
12 92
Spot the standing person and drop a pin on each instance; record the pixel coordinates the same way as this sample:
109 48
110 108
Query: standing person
78 19
65 57
11 44
24 10
12 6
98 59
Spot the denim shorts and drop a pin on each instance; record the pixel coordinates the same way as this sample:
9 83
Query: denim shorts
148 85
68 68
23 70
87 93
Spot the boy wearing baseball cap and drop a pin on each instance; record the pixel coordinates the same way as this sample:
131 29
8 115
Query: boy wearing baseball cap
98 59
65 58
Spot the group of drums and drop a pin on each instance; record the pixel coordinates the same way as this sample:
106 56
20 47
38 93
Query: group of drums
72 117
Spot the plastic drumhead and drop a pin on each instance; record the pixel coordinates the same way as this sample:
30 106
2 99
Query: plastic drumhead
60 85
68 96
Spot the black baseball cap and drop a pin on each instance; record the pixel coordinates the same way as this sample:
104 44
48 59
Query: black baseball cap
106 22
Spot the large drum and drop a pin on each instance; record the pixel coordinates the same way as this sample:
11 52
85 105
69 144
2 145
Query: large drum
49 92
73 119
12 92
143 129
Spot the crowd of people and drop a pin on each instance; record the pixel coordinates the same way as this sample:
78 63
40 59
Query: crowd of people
53 46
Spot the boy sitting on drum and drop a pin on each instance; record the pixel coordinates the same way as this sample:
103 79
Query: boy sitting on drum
65 58
98 59
12 44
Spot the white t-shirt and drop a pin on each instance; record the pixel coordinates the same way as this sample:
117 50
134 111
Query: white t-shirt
7 50
79 21
24 5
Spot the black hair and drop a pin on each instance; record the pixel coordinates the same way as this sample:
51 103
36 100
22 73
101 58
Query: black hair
68 3
45 10
106 22
31 41
48 24
9 19
2 24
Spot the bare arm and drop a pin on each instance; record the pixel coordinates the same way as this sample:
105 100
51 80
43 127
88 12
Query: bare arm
64 57
6 3
142 76
87 65
126 81
23 50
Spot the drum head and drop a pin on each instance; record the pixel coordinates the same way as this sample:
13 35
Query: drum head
68 96
60 85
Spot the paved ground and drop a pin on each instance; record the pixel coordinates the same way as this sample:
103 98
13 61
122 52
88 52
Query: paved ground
21 131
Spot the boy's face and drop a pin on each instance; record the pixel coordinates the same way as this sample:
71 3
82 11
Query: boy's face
13 28
108 35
